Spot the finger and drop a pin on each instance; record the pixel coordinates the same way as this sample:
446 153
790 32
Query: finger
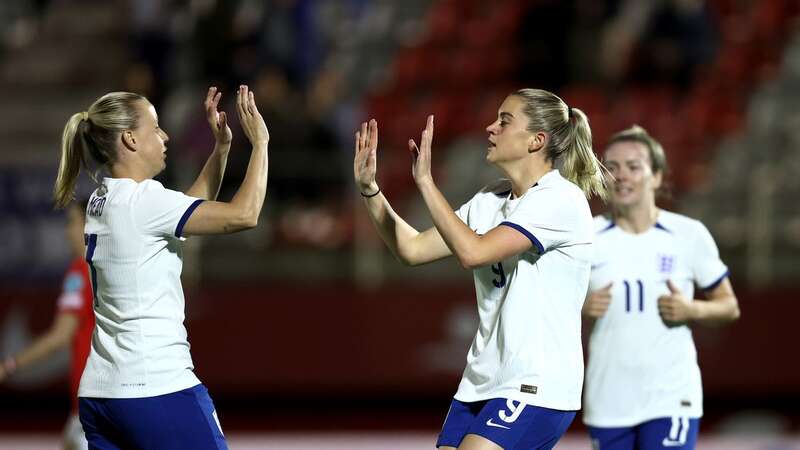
672 288
210 94
412 147
246 99
239 100
357 140
363 135
253 103
215 100
223 120
429 128
607 288
373 134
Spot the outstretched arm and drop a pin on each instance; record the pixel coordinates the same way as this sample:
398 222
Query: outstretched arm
408 245
208 182
471 249
57 337
242 211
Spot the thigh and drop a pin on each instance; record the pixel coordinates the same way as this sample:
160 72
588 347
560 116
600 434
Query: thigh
181 420
668 433
457 423
618 438
515 425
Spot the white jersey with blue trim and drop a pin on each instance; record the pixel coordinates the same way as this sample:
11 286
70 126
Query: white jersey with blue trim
133 237
639 368
528 344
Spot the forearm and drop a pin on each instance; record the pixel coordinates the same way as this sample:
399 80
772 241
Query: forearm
395 232
249 198
718 311
207 184
462 241
40 349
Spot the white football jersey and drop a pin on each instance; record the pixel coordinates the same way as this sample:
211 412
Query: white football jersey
133 237
528 344
639 369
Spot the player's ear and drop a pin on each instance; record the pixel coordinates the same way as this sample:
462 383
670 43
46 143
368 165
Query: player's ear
658 178
537 141
128 140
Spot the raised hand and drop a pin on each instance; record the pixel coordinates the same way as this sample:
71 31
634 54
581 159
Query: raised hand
596 304
365 162
421 156
252 123
675 309
217 120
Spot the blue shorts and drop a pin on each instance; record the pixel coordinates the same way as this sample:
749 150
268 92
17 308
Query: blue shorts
668 433
508 423
182 420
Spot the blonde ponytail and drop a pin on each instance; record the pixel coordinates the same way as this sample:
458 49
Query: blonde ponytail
570 143
93 134
579 163
71 161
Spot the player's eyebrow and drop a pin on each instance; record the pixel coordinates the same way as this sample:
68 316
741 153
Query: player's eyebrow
506 115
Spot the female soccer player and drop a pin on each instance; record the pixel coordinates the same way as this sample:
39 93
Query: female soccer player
72 325
527 240
139 389
642 382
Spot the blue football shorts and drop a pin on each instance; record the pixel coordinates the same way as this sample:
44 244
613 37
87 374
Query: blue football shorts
181 420
508 423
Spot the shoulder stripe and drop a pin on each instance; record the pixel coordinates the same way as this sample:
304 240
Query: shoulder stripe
662 227
527 234
717 282
185 217
610 226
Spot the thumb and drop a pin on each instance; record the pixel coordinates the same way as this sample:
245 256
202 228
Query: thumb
412 147
223 119
607 287
672 288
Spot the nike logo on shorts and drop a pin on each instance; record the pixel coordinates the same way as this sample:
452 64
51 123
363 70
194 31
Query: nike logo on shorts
492 424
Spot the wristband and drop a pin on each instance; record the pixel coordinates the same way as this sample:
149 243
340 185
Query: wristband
371 195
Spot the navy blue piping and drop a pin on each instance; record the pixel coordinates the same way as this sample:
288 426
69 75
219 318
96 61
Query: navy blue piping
185 217
717 282
527 234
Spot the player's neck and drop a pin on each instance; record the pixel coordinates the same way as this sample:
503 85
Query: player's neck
524 176
123 170
636 218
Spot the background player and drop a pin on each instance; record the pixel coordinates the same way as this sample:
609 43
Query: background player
643 387
139 389
527 240
72 326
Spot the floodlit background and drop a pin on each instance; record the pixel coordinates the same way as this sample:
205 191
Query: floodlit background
306 331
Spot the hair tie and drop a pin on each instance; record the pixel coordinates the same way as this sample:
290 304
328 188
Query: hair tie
570 115
85 115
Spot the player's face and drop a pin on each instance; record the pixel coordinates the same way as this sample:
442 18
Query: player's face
635 181
74 229
509 137
150 139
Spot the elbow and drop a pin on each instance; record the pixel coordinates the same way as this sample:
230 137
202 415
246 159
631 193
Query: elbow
470 262
735 313
250 223
242 222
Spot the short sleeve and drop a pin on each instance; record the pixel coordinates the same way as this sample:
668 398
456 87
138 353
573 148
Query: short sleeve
463 211
707 267
163 212
544 219
71 298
